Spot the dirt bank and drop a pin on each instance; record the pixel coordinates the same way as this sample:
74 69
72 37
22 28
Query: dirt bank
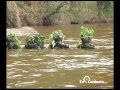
32 13
22 31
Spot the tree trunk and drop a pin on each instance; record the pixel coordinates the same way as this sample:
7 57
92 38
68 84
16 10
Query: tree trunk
47 18
99 6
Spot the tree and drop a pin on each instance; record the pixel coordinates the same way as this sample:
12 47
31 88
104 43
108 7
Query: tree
104 8
99 5
47 18
13 19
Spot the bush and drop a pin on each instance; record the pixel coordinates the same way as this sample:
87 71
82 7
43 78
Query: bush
86 34
12 42
56 37
34 41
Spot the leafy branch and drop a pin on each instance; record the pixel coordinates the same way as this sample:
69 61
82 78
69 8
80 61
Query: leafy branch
56 37
13 38
86 32
35 39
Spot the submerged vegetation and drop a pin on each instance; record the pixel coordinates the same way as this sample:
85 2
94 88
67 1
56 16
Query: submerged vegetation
56 38
12 42
86 38
35 41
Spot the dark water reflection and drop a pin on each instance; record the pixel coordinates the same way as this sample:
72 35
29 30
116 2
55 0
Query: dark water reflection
59 68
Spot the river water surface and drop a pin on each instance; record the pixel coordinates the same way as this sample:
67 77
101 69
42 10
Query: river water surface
64 68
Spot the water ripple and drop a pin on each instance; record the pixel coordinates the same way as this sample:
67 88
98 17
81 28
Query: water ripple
70 86
49 70
82 56
25 83
102 40
37 59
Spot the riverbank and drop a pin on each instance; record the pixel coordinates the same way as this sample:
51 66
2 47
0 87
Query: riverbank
21 31
31 13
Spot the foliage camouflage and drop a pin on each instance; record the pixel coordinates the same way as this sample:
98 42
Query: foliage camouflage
86 32
86 38
13 41
56 38
35 41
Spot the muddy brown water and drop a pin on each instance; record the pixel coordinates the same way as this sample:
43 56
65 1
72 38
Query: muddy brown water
64 68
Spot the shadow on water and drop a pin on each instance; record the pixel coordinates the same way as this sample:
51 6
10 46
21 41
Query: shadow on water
61 68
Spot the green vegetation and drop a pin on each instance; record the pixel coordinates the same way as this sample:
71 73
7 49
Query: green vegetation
56 37
86 32
13 41
23 13
86 38
35 41
13 38
105 10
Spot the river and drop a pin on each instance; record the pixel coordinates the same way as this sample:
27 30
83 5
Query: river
64 68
